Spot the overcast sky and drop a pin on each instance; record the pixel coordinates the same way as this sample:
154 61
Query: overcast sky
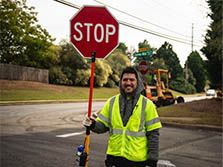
170 17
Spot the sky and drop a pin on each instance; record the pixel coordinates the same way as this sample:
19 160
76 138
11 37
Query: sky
169 17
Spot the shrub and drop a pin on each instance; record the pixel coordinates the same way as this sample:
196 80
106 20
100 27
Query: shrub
181 85
56 76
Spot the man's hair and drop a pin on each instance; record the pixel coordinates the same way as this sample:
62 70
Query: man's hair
130 70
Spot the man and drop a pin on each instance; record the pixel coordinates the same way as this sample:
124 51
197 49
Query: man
132 122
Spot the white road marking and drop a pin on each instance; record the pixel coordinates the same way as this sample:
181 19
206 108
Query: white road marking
71 134
165 163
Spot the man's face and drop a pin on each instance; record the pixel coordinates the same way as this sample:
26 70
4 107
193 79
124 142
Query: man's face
129 83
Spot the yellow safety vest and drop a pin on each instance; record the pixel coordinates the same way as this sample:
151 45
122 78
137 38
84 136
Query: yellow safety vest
129 141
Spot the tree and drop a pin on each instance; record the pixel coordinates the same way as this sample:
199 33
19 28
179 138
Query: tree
213 40
144 44
71 61
171 60
22 40
102 72
196 65
122 47
158 64
56 76
190 77
181 85
117 61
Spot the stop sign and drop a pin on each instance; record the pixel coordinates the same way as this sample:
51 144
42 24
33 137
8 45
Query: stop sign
94 29
143 67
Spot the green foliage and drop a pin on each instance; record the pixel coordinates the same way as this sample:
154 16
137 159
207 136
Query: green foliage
181 85
117 61
122 47
191 78
73 64
56 76
144 44
111 84
102 72
69 57
77 69
22 40
213 40
171 60
158 63
82 77
196 65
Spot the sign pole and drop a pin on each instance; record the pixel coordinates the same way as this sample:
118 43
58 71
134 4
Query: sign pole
87 138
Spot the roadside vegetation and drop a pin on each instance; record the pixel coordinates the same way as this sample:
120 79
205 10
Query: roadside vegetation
208 111
26 90
26 43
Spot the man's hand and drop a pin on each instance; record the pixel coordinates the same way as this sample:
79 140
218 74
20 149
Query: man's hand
89 121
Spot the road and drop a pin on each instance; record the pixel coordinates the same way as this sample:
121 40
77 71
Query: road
47 135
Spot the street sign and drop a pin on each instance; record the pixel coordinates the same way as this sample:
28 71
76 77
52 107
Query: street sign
143 49
94 29
143 67
142 54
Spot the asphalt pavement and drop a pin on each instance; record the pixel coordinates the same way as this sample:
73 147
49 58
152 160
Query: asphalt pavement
47 135
182 148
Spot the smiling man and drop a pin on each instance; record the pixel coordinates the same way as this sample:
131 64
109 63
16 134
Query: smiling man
132 122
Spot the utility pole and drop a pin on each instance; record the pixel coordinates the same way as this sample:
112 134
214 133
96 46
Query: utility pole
192 49
192 38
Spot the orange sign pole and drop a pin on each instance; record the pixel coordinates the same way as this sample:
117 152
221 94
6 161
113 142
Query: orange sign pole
87 138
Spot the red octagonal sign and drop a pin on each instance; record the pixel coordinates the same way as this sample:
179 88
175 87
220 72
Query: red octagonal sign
94 29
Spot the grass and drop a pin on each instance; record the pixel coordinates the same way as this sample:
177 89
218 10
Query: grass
21 91
207 111
75 93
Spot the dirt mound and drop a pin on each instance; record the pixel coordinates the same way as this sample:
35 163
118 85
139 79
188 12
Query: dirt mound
213 105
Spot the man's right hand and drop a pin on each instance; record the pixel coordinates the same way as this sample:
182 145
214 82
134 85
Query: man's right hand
89 121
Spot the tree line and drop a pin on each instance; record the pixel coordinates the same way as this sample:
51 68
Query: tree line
24 42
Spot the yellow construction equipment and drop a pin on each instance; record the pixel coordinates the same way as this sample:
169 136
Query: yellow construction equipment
158 89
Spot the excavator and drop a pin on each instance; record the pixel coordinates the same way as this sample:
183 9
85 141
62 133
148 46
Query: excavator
158 90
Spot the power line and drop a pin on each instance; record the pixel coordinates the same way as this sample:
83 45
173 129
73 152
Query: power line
189 40
140 18
173 10
155 33
68 4
134 26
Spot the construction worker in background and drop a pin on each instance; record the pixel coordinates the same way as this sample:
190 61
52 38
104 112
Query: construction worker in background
133 125
147 90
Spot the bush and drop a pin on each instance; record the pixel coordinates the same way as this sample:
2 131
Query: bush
181 85
82 77
110 83
56 76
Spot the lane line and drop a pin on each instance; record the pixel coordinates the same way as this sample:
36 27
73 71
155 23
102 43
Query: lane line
165 163
71 134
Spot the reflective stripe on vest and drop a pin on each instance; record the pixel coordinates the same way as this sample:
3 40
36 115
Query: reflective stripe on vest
153 121
128 141
105 119
140 133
